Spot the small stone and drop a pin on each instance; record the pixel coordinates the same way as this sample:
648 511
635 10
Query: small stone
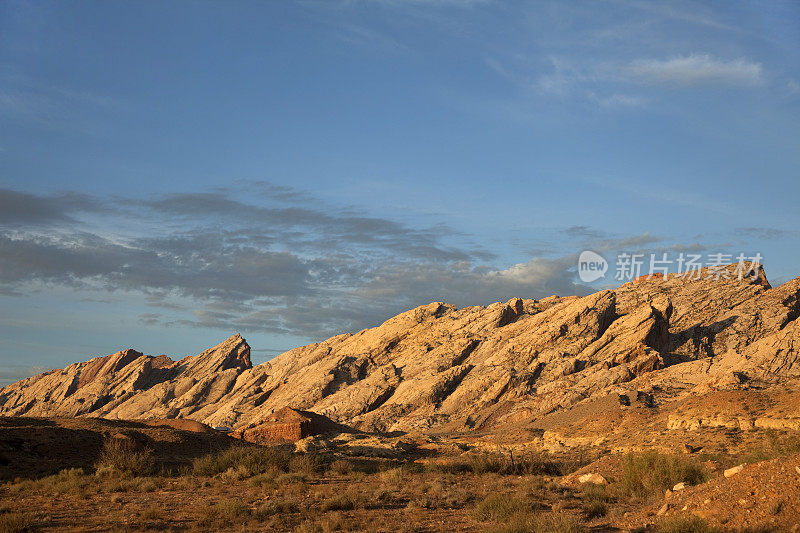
798 469
668 493
679 486
597 479
663 510
733 471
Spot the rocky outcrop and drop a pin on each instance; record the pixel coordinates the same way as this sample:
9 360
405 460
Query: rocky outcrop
439 368
287 425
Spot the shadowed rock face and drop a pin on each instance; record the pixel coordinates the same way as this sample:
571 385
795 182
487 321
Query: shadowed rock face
437 367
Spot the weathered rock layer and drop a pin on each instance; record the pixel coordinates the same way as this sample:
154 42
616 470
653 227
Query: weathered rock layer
439 368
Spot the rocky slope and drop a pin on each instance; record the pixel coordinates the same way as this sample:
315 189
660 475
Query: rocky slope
439 368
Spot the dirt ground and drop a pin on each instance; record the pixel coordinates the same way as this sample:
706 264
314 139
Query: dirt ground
58 475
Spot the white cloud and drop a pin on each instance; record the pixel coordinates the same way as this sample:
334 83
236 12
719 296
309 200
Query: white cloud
696 69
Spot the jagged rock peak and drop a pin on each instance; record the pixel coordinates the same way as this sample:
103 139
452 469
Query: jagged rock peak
442 368
233 352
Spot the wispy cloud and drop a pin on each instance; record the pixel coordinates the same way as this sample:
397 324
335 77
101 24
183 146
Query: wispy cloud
277 266
696 69
12 373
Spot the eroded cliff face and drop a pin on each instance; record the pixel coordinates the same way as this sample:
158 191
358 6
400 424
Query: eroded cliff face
439 368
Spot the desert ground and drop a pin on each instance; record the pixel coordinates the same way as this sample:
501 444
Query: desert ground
100 475
668 404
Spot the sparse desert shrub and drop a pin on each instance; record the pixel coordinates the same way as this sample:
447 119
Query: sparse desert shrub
266 479
274 507
306 464
593 492
235 473
124 455
149 485
291 477
341 467
122 485
773 444
533 485
152 513
68 481
499 507
252 459
227 510
232 508
532 463
393 476
14 522
684 524
327 524
528 522
595 509
648 474
345 501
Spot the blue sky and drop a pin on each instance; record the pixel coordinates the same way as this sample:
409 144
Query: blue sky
174 172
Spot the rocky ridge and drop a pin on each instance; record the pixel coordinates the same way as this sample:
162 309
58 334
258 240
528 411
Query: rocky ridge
437 368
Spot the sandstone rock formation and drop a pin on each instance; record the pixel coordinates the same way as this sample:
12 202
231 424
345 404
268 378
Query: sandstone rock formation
439 368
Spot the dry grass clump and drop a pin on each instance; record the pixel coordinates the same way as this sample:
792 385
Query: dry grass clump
648 474
308 464
345 501
329 523
774 444
152 513
243 460
72 481
14 522
531 463
226 511
541 523
499 507
276 507
393 476
341 467
123 455
684 524
595 500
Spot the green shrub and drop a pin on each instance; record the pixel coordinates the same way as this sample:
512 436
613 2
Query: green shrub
251 460
648 474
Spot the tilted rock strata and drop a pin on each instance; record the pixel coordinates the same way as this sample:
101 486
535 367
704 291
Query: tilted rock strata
437 367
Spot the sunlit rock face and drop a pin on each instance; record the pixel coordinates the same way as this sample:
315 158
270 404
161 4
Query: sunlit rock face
439 368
